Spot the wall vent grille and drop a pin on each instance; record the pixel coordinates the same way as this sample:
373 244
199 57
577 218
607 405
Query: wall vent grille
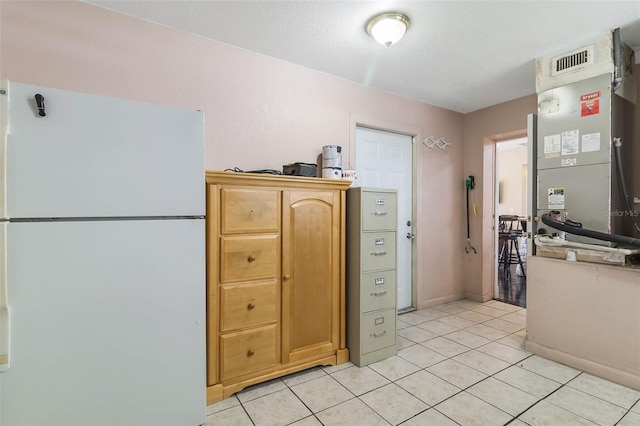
572 61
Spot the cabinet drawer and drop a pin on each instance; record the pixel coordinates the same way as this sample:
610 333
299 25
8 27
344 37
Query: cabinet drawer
379 211
248 305
246 210
378 250
249 257
378 330
248 351
378 290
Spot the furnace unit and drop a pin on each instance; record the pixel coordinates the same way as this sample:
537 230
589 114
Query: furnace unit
586 111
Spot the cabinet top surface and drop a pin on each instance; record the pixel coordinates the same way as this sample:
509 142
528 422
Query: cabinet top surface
258 179
371 189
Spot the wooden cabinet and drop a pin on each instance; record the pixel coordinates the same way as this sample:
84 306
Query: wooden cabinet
371 274
275 277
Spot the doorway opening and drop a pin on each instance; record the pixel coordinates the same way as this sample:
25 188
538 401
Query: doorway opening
385 159
511 166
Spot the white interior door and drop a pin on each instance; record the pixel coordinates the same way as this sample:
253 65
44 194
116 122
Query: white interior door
385 160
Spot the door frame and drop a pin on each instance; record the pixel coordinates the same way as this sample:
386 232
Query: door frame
489 203
356 120
496 216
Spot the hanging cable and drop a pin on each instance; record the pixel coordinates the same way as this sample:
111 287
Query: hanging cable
576 229
617 144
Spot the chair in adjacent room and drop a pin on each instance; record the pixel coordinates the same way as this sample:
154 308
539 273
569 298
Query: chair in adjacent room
510 232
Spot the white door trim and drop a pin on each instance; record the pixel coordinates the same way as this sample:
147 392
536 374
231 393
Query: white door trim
489 218
356 120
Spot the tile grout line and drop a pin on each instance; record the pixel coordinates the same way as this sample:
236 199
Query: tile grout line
628 411
490 340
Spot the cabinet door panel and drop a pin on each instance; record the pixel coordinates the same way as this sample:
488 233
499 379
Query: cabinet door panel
311 268
248 257
247 305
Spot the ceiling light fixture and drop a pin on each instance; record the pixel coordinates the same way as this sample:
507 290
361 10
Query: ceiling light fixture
388 28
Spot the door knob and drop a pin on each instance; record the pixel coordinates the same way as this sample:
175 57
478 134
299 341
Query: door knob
410 235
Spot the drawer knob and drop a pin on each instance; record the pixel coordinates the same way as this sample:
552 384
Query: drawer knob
250 306
378 253
382 333
286 277
251 258
250 353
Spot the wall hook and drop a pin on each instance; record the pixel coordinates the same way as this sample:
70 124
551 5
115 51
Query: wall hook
431 142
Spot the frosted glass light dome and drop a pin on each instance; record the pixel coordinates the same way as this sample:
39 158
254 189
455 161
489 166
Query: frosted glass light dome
388 28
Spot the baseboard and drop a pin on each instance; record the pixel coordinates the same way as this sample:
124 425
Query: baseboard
440 300
591 367
474 297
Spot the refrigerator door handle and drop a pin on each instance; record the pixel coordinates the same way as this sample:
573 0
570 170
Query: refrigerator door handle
5 313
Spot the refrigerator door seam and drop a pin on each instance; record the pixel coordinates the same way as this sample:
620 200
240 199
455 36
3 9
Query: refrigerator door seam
101 219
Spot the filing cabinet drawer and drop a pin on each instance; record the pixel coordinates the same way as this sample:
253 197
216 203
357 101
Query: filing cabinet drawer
379 211
378 330
378 290
378 251
249 257
249 210
248 305
248 351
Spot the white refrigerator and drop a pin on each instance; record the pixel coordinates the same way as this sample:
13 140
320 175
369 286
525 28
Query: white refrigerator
102 261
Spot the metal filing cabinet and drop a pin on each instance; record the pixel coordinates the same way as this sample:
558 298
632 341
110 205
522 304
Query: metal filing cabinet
371 274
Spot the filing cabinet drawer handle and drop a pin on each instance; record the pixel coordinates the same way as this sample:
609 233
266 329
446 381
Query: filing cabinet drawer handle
250 306
379 213
382 333
251 258
250 353
379 293
378 253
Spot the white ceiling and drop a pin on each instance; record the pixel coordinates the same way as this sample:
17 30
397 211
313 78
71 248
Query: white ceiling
459 55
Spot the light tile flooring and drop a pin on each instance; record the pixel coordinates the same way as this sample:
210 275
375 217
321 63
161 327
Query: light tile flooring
458 363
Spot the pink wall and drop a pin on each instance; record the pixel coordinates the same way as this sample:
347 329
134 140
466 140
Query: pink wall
481 129
587 316
260 112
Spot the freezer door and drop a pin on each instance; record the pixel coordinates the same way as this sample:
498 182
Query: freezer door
92 156
108 323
